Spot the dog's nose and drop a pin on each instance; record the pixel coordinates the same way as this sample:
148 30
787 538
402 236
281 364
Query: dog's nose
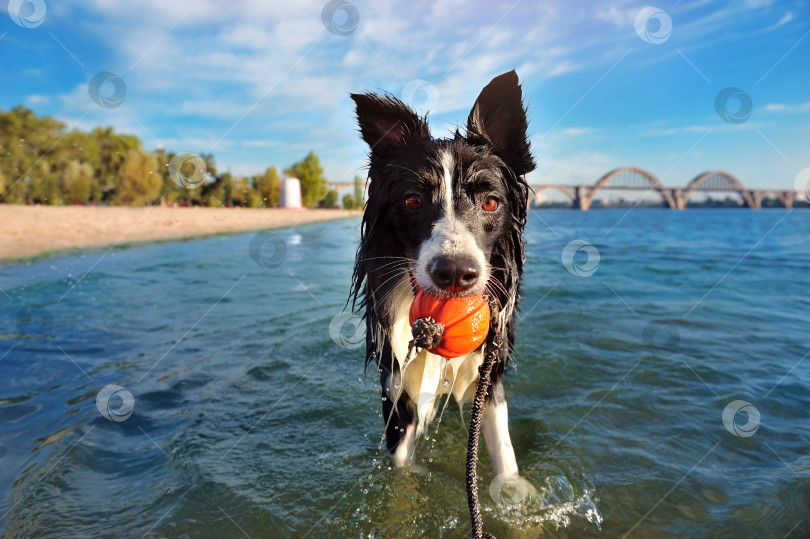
454 273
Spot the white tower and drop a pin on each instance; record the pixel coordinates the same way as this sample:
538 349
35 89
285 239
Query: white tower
290 193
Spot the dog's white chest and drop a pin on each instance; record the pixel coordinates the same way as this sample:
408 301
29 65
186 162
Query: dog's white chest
427 377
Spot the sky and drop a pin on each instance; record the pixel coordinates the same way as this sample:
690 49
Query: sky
260 83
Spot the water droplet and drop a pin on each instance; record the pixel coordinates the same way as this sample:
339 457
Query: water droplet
445 382
365 491
430 459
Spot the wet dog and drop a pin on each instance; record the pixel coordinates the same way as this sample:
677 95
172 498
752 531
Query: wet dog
446 215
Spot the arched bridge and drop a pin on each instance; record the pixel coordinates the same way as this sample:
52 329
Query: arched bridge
635 179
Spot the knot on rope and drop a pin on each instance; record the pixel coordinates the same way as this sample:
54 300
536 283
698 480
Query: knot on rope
427 333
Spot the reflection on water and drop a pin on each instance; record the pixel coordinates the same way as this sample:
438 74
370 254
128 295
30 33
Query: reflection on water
249 418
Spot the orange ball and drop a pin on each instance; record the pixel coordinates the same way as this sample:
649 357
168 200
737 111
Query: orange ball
465 321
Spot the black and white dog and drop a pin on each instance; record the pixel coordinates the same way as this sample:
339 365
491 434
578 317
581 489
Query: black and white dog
447 214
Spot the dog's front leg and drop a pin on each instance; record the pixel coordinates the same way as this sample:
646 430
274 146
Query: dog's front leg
495 428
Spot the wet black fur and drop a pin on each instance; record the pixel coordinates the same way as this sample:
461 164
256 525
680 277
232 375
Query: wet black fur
404 158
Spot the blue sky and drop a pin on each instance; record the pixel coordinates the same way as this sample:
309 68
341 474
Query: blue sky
262 83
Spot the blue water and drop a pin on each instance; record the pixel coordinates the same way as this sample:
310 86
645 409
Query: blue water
249 419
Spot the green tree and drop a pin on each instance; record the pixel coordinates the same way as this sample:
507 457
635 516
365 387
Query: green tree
329 200
358 191
140 181
43 184
313 184
243 193
227 188
269 187
77 181
112 149
349 202
213 193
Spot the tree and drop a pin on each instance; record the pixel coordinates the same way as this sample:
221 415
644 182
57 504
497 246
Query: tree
313 184
269 187
112 149
140 181
329 200
349 202
358 191
243 193
43 184
213 193
77 181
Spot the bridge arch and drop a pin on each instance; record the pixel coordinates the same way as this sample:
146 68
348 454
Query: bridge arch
785 197
533 196
718 180
560 188
652 181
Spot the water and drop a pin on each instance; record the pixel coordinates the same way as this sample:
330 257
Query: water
249 420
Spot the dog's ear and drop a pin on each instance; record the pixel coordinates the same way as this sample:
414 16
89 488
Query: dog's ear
386 123
498 119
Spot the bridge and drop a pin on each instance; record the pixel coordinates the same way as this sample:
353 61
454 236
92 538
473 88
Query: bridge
635 179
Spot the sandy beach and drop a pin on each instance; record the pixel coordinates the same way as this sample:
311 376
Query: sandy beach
29 231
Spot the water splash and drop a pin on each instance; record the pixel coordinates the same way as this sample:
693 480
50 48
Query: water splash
552 505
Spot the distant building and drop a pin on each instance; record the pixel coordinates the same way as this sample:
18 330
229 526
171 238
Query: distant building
290 193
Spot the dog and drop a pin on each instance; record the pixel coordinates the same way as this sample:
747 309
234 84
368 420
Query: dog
446 215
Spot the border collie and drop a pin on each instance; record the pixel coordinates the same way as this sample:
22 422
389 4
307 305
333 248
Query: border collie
446 215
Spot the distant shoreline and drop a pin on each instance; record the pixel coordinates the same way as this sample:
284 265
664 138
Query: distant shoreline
34 231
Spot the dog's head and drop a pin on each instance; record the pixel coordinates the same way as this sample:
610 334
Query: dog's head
453 208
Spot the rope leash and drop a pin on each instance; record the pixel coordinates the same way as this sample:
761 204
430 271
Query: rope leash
427 333
484 373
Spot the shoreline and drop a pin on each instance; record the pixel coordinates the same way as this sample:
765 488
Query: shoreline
36 231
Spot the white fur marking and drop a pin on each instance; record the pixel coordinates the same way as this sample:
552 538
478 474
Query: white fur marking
448 163
404 450
449 237
495 428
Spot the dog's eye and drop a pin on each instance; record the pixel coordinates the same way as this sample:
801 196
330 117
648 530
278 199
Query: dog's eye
413 201
490 204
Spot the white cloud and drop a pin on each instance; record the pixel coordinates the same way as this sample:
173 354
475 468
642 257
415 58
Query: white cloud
578 131
798 108
36 99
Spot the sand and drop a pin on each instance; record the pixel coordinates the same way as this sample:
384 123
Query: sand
29 231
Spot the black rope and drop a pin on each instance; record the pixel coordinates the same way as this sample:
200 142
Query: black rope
427 333
484 373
